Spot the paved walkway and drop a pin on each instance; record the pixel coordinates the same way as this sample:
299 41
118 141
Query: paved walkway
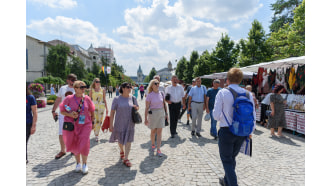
187 160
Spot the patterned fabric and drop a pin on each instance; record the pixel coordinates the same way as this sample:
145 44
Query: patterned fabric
97 98
271 78
278 120
280 76
301 75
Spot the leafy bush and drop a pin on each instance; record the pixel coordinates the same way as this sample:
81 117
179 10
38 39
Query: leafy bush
52 97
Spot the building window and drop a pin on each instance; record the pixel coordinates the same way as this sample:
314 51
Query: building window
94 57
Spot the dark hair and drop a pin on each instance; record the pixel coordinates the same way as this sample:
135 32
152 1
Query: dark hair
72 77
123 85
278 87
28 92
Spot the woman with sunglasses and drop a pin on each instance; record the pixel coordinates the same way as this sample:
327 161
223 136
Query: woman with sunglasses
123 128
155 120
81 115
97 94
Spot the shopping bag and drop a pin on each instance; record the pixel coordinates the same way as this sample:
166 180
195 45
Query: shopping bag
106 124
246 147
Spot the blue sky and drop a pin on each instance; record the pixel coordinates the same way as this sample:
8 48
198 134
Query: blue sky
145 32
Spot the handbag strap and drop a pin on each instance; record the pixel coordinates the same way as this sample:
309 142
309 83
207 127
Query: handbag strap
163 100
80 106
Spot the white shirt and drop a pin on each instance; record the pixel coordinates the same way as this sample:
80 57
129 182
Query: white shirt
266 100
224 101
176 92
63 90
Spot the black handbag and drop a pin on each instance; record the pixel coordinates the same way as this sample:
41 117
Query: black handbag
68 126
136 117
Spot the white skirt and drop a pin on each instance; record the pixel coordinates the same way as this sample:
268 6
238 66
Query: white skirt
157 118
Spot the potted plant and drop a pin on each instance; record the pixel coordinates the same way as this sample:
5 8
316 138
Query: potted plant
37 91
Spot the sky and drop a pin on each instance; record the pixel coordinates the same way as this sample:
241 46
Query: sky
145 32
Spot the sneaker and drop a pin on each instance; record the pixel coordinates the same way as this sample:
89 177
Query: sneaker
198 134
192 133
187 122
85 169
160 154
78 167
153 147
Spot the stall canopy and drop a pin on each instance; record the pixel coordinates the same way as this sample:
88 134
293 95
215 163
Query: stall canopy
275 64
223 75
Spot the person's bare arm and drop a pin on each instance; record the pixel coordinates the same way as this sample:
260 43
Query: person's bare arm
35 117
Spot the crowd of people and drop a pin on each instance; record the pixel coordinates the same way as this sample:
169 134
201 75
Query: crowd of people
80 114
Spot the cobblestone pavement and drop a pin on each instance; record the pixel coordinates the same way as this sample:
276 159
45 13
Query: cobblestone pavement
187 160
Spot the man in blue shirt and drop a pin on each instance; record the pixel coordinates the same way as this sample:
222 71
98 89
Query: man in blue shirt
210 99
197 104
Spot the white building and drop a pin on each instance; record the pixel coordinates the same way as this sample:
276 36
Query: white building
36 58
166 73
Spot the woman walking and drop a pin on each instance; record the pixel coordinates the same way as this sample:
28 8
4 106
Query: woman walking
97 94
81 115
141 91
277 116
135 91
117 90
155 120
123 128
31 117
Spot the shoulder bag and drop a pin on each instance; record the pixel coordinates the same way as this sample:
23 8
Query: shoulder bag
136 117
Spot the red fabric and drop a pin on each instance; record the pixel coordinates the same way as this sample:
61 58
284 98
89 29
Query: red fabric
106 124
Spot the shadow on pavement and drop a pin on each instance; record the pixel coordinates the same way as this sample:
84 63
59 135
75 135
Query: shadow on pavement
117 174
257 132
45 169
173 142
201 141
93 143
285 140
148 165
71 178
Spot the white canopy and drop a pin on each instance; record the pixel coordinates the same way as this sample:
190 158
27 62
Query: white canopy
223 75
275 64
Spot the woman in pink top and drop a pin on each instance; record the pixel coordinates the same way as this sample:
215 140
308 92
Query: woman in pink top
141 91
77 141
155 113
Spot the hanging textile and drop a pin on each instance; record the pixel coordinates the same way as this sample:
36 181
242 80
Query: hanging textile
271 78
287 75
280 76
292 78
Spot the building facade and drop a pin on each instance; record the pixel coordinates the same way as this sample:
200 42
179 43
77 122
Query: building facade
166 73
106 53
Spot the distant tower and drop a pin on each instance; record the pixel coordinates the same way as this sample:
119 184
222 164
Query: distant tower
139 75
169 66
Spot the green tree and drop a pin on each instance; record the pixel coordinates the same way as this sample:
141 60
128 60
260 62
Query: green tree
283 13
225 54
151 75
289 41
78 67
180 68
255 49
57 61
204 66
188 73
96 69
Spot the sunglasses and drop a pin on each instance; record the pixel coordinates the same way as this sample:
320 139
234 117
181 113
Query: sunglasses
127 87
156 83
82 87
72 80
97 81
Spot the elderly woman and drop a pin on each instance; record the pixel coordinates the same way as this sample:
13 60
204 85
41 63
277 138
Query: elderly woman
123 128
155 120
277 116
31 117
81 115
98 97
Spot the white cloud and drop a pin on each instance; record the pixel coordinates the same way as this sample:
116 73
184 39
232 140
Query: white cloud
63 4
218 10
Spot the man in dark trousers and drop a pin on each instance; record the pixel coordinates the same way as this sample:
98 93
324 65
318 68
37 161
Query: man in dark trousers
229 144
175 98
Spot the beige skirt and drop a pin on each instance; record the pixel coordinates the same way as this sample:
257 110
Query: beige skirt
157 118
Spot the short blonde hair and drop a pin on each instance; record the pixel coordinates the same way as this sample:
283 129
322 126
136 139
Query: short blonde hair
235 75
76 84
150 85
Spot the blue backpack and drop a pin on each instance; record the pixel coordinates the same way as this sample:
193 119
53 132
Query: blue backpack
243 120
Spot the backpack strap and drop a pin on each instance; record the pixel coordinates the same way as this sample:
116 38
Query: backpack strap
232 92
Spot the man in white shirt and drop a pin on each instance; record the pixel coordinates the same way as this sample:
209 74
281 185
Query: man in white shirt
62 93
197 104
229 144
176 99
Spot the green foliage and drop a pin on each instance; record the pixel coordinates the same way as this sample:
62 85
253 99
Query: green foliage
57 61
77 67
96 69
146 79
151 75
283 13
189 69
52 97
49 80
255 49
289 41
180 67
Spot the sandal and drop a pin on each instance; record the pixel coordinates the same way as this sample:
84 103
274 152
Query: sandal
122 156
127 163
59 155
